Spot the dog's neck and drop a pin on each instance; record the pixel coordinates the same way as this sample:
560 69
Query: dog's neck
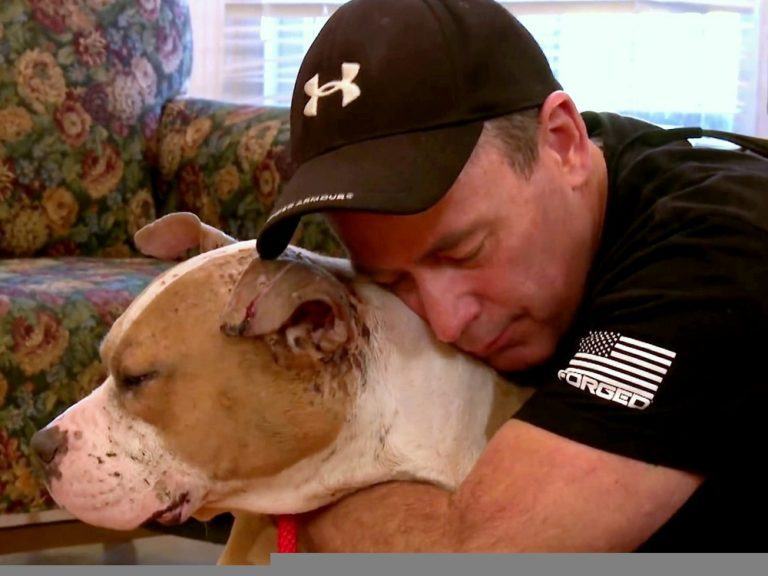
422 411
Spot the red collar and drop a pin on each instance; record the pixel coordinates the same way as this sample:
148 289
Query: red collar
287 534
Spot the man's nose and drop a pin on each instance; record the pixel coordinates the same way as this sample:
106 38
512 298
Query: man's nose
49 442
447 309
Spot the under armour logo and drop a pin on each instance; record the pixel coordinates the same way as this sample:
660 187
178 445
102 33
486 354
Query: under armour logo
350 90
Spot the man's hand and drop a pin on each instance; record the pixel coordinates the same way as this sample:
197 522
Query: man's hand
530 491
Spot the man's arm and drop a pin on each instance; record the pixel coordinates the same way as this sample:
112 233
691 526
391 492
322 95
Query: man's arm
531 490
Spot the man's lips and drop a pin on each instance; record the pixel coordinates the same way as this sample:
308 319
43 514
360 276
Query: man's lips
509 334
493 345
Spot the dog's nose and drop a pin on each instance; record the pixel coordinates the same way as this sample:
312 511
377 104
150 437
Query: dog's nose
46 443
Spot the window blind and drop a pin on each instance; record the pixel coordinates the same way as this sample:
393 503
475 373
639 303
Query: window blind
674 63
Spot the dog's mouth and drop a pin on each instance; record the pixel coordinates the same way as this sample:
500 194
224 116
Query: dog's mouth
175 513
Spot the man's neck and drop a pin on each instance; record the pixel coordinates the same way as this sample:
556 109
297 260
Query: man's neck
597 186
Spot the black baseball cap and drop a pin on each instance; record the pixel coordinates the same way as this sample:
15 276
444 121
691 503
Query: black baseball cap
390 101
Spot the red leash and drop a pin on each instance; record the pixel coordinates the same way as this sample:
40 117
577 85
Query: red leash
287 534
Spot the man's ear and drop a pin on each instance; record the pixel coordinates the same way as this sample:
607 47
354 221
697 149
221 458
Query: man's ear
303 312
174 236
564 135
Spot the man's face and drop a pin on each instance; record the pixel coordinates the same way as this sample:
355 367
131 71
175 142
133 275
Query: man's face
497 267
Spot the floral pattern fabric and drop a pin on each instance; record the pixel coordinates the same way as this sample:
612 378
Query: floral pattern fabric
92 147
82 85
53 315
227 164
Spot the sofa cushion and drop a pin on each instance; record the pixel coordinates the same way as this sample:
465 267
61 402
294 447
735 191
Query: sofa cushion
82 85
53 316
227 163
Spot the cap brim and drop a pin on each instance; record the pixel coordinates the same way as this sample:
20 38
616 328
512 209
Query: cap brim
400 174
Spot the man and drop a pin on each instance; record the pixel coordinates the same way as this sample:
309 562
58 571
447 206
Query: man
624 271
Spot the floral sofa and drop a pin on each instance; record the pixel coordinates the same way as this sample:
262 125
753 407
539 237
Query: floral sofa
94 143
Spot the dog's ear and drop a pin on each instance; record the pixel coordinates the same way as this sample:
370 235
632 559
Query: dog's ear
303 312
175 236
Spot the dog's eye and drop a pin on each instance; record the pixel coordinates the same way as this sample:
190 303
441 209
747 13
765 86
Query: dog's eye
136 381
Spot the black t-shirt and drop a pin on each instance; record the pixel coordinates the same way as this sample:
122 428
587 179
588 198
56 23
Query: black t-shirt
665 360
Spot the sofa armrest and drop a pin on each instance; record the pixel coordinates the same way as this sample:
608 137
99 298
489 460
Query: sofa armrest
227 163
81 88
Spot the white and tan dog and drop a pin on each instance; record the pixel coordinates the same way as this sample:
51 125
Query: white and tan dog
263 388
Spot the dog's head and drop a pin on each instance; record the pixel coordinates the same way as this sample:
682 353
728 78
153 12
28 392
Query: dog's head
224 369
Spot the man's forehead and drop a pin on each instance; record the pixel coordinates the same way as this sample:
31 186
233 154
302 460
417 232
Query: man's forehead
369 236
375 248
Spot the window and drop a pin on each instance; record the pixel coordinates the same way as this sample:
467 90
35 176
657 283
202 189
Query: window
673 63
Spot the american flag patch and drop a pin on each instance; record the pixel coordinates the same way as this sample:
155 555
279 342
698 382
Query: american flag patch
617 368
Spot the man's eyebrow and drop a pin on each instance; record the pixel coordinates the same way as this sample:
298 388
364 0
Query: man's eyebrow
362 269
370 272
449 241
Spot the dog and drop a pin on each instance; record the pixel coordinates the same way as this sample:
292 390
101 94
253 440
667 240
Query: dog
263 388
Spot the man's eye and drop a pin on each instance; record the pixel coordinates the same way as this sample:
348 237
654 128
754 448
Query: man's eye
467 256
387 281
397 285
133 382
